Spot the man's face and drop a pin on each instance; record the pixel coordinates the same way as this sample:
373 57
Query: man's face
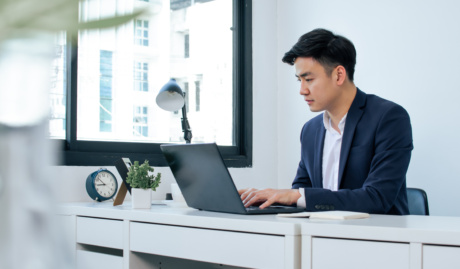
319 90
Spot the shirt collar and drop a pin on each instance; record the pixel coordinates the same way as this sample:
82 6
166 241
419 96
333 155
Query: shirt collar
328 125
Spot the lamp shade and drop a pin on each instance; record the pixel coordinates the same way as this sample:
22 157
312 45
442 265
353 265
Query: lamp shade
170 97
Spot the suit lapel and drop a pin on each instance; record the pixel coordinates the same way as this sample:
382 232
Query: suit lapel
354 115
319 142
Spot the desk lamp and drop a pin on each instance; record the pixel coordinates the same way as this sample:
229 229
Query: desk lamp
172 98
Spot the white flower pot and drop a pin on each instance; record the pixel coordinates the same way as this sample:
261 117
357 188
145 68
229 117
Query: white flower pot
141 199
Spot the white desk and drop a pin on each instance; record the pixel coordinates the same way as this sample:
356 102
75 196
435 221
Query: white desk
411 242
178 237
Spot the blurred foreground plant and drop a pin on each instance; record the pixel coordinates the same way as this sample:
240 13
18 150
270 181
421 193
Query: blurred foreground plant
51 15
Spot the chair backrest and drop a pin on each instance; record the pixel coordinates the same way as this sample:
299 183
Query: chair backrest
418 202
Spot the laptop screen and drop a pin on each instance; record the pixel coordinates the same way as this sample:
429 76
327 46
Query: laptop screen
203 177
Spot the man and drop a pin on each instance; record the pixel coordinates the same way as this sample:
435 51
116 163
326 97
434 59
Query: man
355 155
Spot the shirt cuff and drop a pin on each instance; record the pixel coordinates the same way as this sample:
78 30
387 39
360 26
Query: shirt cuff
301 202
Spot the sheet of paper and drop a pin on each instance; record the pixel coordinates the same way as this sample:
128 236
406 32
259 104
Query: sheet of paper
294 215
340 215
336 214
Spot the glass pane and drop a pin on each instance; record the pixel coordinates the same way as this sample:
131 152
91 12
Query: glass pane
120 71
58 89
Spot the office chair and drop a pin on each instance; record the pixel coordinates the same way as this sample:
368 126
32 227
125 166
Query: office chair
417 201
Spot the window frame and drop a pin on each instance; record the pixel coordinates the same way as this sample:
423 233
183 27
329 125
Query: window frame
105 153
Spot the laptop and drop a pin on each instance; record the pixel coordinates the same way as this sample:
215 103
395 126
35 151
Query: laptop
205 182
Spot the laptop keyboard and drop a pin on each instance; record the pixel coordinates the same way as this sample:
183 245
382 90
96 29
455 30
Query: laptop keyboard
270 207
253 208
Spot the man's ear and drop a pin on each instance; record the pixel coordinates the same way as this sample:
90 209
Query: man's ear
340 75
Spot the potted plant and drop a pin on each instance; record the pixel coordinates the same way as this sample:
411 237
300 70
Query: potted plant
142 184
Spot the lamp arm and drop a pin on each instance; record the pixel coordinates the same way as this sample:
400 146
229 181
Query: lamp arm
185 125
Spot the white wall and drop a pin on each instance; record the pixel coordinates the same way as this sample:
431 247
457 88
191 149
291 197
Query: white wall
406 53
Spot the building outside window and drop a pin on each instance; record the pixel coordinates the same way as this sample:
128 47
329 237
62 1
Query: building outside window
165 58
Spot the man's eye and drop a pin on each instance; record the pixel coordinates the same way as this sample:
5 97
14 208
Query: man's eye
306 79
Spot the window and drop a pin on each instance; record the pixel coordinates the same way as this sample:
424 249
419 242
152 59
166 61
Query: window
105 90
140 120
186 46
113 81
197 96
141 33
141 76
187 96
57 120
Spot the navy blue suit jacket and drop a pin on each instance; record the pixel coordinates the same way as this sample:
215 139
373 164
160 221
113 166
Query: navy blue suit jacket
375 155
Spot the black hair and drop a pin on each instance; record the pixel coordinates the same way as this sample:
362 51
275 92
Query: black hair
328 49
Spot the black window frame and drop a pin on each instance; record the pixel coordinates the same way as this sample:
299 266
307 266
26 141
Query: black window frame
105 153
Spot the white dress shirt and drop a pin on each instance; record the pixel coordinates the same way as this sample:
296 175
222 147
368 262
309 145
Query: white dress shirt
331 157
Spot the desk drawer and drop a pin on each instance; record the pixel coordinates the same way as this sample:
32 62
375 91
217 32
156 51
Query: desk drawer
215 246
356 254
100 232
445 257
94 260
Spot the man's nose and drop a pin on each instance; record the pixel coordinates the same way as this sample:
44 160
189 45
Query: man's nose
304 89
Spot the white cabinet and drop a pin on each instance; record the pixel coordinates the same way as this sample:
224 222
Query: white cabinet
214 246
99 243
96 260
100 232
356 254
441 257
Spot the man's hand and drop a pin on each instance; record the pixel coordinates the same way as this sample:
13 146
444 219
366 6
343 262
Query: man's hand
268 197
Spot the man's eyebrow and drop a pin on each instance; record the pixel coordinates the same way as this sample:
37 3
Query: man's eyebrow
303 75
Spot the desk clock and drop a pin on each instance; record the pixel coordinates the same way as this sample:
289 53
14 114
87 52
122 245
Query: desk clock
101 185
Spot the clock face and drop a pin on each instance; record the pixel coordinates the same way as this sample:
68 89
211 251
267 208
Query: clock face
105 184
